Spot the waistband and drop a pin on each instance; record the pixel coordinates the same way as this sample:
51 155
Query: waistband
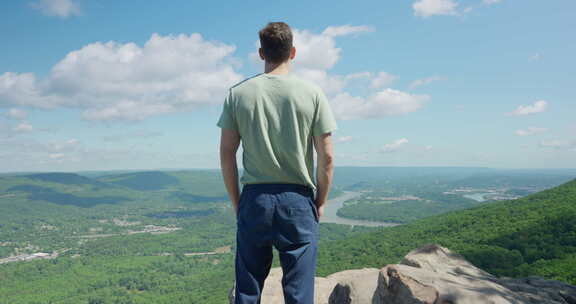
279 187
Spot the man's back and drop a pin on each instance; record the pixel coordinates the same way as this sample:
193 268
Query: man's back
280 120
276 117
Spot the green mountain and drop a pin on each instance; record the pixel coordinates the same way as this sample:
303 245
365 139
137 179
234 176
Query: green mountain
191 186
534 235
143 181
65 178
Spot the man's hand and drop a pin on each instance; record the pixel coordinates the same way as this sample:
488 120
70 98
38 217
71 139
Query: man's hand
236 208
324 169
229 143
320 211
319 207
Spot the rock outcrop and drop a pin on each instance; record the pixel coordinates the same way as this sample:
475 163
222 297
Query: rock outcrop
428 275
356 285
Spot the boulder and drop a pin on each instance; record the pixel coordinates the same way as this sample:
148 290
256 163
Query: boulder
435 275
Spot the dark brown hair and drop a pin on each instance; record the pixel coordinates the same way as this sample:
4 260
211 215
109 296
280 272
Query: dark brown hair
276 42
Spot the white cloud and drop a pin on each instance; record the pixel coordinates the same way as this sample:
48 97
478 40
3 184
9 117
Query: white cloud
17 114
425 81
344 30
395 146
315 51
57 8
23 127
56 155
131 135
356 156
67 146
536 57
24 90
343 139
128 110
331 84
30 154
530 131
358 75
536 107
490 2
557 144
427 8
124 81
382 79
387 102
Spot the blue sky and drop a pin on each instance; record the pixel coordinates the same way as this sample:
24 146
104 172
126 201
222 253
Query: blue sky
102 85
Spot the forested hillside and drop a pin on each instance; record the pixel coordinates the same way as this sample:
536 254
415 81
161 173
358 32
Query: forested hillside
534 235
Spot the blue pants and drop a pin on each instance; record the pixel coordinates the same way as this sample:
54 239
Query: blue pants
283 216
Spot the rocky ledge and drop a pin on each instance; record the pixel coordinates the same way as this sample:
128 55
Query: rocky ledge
428 275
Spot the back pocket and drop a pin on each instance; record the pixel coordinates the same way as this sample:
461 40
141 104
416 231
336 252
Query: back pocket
296 217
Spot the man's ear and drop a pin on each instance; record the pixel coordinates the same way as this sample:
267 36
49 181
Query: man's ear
292 53
261 53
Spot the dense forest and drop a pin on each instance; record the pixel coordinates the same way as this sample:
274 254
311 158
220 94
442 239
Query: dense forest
534 235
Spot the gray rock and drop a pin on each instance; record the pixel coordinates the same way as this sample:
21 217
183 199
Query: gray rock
354 286
433 274
428 275
351 286
396 288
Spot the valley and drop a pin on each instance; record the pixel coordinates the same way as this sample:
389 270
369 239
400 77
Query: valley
169 236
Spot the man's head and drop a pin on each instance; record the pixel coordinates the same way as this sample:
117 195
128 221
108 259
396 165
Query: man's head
276 43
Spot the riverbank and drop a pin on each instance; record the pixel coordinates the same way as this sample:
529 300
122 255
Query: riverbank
330 213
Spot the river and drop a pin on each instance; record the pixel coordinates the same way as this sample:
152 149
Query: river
334 204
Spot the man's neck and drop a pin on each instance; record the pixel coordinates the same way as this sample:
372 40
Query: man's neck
277 68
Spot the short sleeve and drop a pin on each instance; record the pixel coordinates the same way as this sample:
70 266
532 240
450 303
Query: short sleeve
228 117
324 121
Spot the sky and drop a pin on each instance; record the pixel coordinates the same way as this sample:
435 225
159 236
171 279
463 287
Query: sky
115 85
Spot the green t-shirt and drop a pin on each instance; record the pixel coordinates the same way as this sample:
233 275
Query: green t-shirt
276 117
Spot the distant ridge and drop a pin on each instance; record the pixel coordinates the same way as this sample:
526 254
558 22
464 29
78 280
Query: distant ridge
65 178
38 193
143 181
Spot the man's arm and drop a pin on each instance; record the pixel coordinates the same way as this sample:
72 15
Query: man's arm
229 142
324 168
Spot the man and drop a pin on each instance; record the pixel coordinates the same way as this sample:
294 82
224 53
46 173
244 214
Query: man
279 119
